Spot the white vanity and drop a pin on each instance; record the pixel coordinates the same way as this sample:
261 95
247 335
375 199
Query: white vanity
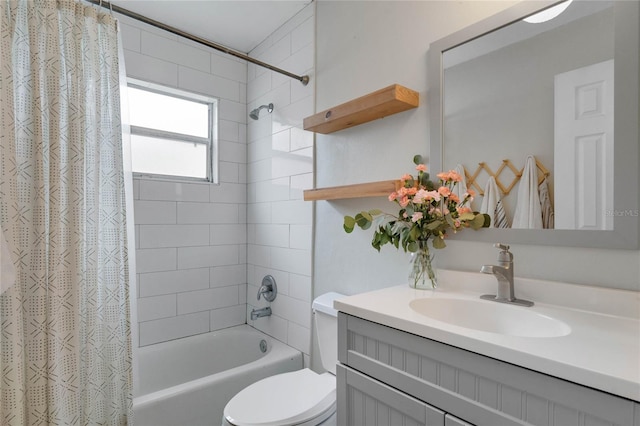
446 357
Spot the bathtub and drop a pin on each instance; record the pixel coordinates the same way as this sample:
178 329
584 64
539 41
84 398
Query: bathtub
187 382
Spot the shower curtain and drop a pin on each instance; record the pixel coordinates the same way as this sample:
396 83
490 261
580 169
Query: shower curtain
65 342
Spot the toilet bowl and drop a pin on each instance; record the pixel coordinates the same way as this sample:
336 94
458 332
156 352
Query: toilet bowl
302 397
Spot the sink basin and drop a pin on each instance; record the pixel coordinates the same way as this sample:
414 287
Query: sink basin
491 317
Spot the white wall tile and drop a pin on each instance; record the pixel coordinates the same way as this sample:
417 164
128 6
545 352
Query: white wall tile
150 69
259 255
199 257
288 164
293 310
202 82
207 213
228 172
259 149
173 51
259 213
156 283
301 139
229 68
292 212
300 237
272 190
165 329
292 260
299 337
228 317
278 221
300 287
302 35
173 191
233 110
155 260
229 130
235 152
204 300
130 37
154 212
228 234
158 236
151 308
269 234
222 276
228 193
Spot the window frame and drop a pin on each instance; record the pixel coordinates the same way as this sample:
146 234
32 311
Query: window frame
211 142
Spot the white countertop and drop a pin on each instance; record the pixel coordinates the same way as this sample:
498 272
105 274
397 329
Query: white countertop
602 350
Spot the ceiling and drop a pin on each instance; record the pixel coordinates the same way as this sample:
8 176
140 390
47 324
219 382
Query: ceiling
238 24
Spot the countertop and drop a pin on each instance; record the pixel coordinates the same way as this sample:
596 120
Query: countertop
602 350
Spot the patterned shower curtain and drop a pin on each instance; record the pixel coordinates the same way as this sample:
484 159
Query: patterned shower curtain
65 345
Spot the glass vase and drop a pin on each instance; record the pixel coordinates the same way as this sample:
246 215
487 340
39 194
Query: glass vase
422 274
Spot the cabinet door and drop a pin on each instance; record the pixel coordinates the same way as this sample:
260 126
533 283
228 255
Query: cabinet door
364 401
450 420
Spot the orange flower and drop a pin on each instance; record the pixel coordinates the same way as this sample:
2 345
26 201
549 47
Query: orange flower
421 168
444 191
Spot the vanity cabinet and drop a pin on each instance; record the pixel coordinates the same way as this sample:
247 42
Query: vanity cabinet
388 376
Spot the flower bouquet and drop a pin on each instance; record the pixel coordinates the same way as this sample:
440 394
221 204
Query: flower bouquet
427 213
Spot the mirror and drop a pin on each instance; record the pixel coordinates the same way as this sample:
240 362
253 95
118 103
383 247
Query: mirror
503 89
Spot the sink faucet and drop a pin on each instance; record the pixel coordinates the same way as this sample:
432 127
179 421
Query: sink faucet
503 272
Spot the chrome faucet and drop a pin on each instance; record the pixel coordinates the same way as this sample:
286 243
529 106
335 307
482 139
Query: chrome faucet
268 288
503 272
259 313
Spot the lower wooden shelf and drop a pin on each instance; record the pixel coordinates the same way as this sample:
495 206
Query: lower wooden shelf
359 190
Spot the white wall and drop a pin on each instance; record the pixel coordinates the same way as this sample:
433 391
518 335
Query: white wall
191 237
364 46
280 166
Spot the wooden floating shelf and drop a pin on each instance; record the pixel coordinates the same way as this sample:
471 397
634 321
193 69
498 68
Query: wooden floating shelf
360 190
379 104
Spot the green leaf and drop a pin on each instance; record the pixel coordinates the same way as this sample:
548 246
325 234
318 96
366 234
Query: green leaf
477 222
349 224
487 220
438 243
466 216
375 212
412 247
450 221
433 225
417 159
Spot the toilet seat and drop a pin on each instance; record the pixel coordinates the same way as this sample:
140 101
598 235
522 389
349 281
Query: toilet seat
295 398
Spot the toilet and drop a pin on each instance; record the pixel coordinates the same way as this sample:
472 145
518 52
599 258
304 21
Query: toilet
301 397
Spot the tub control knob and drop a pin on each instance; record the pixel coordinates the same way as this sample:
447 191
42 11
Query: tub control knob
268 288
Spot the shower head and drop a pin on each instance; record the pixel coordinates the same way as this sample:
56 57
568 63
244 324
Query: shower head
256 112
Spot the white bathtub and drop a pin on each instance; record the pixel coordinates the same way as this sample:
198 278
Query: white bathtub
187 382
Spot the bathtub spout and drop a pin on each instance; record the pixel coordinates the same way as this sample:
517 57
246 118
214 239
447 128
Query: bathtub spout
257 313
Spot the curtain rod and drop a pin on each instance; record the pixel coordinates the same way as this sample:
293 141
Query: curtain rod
304 79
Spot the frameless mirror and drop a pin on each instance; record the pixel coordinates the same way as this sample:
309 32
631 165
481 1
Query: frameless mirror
564 91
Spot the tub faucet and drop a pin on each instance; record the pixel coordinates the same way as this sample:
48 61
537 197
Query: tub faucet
258 313
503 272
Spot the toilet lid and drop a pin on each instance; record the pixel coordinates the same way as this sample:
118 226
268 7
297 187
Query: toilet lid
288 398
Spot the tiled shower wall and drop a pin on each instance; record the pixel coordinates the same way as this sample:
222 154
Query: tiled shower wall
280 166
191 237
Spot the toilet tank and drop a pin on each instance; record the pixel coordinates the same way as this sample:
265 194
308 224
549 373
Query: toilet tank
326 322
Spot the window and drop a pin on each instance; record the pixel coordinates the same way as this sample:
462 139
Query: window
173 133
